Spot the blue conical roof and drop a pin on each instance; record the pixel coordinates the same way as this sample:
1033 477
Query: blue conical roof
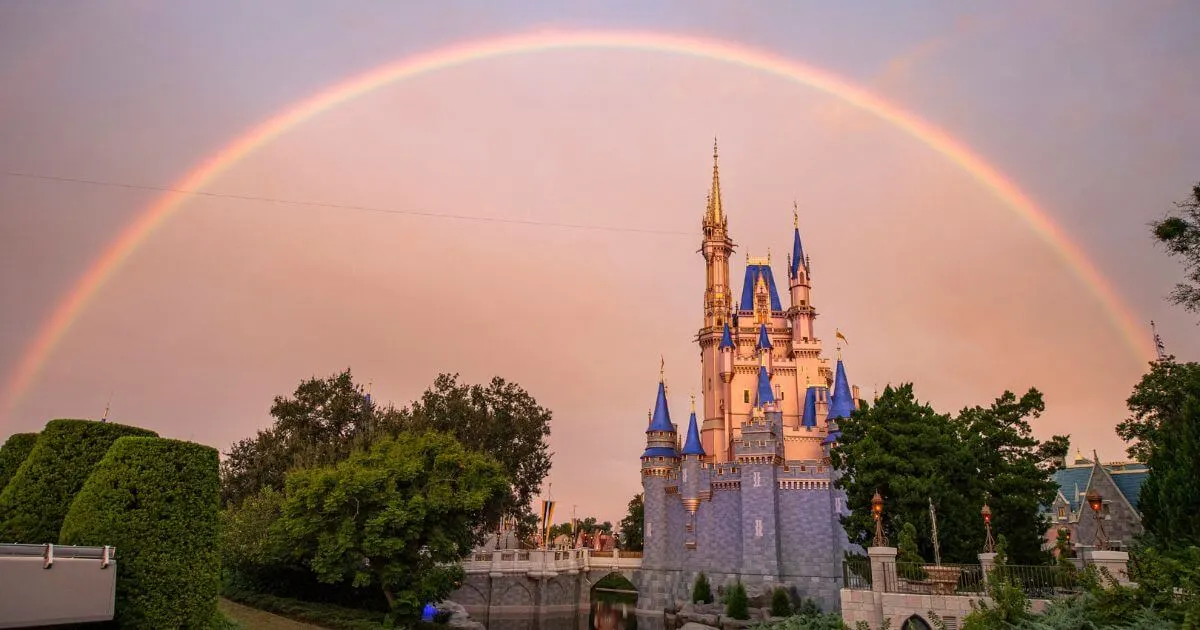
765 394
692 445
726 338
810 408
797 255
841 403
764 340
661 420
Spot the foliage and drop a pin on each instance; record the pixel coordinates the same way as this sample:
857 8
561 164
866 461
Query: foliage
1015 470
589 526
911 454
634 524
808 608
1180 233
395 516
16 448
702 590
816 621
909 557
156 501
322 423
1008 606
737 604
781 604
35 501
247 542
502 420
908 453
615 581
1164 427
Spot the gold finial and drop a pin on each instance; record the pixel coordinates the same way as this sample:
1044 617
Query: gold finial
104 418
693 403
662 369
768 255
714 203
649 417
795 215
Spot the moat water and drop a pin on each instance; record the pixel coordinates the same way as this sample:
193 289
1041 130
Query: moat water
608 611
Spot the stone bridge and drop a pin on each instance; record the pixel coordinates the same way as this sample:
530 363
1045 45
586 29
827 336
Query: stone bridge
538 582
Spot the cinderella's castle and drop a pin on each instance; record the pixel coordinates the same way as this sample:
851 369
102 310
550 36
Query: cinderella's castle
749 494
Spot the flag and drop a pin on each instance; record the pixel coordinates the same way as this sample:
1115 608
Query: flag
839 335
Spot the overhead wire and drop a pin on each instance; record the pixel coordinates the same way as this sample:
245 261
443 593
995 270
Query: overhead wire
343 206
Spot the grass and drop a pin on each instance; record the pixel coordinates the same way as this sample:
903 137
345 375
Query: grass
249 618
322 615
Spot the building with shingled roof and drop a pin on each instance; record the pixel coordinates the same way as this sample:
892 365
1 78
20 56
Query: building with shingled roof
1119 484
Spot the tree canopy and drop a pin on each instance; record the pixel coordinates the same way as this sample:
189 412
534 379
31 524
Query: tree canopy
398 516
633 525
1164 428
1180 233
913 455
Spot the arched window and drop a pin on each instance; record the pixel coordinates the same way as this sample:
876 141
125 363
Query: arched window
915 622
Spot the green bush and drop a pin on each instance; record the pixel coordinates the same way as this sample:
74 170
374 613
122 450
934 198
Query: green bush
156 501
701 591
16 448
737 605
781 604
35 501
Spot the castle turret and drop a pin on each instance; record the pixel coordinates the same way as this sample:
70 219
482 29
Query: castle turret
659 465
802 312
689 469
764 347
717 368
841 403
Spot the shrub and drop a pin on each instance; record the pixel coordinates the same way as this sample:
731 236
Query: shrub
701 591
36 500
16 448
737 605
156 501
781 604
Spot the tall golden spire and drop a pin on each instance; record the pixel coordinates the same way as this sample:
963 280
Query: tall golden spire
715 212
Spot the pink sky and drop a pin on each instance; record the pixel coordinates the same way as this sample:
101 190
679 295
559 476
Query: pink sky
931 278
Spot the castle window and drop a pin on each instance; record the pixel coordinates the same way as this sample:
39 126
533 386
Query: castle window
781 396
710 384
1062 512
757 479
758 528
746 395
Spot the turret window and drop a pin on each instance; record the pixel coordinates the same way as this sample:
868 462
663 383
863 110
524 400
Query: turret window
746 395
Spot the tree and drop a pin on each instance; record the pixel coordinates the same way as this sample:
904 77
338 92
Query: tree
633 525
16 448
1164 427
702 590
1014 469
1180 233
502 420
399 516
909 454
323 421
737 604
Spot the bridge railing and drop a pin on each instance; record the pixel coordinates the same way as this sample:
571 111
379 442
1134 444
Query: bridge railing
547 560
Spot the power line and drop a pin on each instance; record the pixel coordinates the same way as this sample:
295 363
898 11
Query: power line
342 206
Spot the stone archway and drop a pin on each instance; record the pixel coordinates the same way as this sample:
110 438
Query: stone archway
613 603
915 622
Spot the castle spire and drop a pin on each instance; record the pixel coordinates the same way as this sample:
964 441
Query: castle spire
841 403
809 419
797 259
716 214
765 394
660 420
692 445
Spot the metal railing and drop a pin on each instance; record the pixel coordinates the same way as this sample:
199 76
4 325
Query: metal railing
1038 582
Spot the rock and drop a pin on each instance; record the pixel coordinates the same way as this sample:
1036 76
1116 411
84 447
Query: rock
692 625
737 624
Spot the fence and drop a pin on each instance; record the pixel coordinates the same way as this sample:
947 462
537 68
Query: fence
1038 582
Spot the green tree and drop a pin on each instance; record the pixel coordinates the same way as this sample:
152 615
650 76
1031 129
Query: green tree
156 501
247 542
502 420
702 590
16 448
1015 469
737 604
1164 428
321 423
634 524
781 604
1180 233
910 454
397 516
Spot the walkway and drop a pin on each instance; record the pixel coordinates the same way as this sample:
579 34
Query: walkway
254 619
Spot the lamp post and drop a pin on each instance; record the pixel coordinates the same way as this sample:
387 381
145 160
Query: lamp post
1096 502
989 545
877 514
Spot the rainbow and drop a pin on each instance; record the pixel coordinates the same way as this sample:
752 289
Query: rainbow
72 305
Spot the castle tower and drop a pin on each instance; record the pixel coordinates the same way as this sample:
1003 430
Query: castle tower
718 305
759 455
802 312
660 461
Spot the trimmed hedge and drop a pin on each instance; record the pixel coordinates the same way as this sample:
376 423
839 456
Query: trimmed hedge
16 448
156 501
35 501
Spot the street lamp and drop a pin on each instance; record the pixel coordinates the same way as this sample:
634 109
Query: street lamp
1096 502
989 545
877 514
